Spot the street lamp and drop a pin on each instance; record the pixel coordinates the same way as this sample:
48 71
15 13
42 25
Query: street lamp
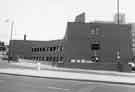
11 35
12 27
118 11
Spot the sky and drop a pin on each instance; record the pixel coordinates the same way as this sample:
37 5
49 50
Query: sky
47 19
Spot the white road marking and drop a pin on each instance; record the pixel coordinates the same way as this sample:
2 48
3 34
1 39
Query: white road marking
57 88
110 84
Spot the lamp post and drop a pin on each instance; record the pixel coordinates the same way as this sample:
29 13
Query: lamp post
10 40
118 11
12 28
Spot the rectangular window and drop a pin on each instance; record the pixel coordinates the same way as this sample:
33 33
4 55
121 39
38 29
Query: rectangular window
37 58
47 58
72 61
50 49
95 46
32 50
43 49
54 48
35 49
57 48
61 48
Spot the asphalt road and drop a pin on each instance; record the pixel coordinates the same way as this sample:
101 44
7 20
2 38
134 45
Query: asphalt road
12 83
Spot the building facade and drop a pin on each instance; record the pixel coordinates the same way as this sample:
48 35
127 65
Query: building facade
95 45
37 50
110 39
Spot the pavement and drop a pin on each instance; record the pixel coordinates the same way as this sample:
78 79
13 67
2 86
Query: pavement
48 71
11 83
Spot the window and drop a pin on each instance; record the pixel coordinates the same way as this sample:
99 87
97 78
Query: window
35 49
133 34
92 32
95 46
2 48
57 48
133 40
33 57
82 61
72 60
133 45
47 58
50 49
2 44
32 50
78 61
43 49
95 31
61 48
54 48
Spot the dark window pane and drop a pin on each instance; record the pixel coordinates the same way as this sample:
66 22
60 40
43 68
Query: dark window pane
95 46
43 49
35 49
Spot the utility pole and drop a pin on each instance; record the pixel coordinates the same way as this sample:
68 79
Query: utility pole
10 41
12 28
118 11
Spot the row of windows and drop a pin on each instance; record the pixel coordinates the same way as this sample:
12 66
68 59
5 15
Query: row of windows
80 61
2 44
2 48
50 49
48 58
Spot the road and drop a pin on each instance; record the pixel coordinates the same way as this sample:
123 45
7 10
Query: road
12 83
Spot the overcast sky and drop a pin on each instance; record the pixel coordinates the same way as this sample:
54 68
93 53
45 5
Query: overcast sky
47 19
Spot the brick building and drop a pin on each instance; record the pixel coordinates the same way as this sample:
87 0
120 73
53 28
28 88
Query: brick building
111 38
37 50
83 42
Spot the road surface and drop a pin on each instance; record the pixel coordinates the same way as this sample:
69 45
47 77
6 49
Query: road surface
12 83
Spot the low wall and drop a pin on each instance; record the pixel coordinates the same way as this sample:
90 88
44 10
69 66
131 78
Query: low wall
97 66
